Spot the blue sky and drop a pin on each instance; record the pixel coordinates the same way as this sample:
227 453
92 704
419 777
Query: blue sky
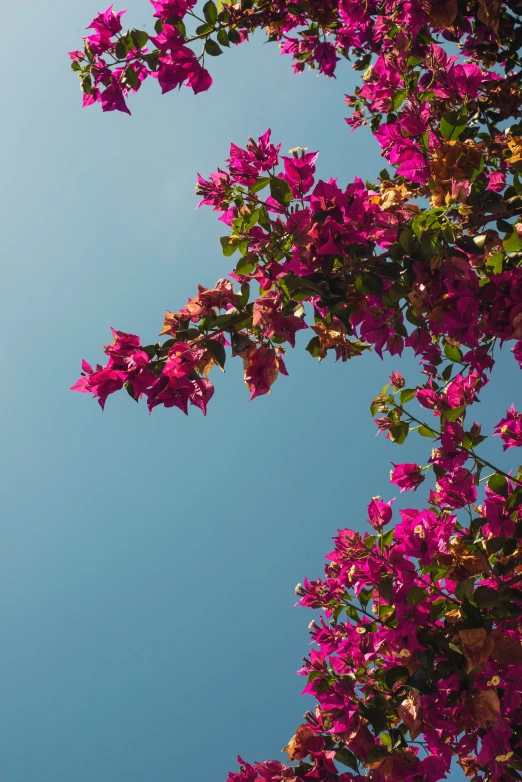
147 564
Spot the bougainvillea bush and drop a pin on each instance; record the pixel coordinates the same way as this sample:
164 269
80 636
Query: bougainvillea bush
416 659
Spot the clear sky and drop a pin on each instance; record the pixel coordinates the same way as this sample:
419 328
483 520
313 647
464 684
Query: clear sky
147 564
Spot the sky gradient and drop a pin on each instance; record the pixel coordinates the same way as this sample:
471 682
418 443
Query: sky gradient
147 564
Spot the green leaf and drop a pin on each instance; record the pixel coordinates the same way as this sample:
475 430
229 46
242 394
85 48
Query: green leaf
130 390
399 432
213 48
261 183
180 25
465 588
150 350
228 248
347 758
452 414
407 394
398 99
418 226
498 484
398 740
419 680
471 613
424 141
405 239
246 264
396 292
243 246
375 716
437 608
503 225
217 350
387 538
280 190
452 352
467 244
425 431
512 242
223 38
294 285
121 50
234 36
494 263
204 29
139 38
385 589
416 595
245 294
130 78
369 542
413 61
210 12
313 347
486 597
386 739
376 753
372 283
453 123
86 83
393 675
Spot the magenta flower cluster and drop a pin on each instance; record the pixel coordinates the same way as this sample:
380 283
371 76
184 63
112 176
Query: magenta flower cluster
416 657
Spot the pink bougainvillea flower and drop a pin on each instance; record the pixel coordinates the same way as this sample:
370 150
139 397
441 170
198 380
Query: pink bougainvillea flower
413 166
264 154
165 9
379 513
268 314
299 173
465 80
397 380
101 383
509 429
460 189
261 368
107 24
457 489
326 58
496 181
112 99
407 476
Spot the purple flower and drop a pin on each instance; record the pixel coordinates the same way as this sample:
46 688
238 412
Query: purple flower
112 99
379 513
413 166
326 58
406 476
496 181
465 79
108 23
457 489
299 173
509 429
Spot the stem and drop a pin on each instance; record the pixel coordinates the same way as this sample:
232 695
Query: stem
471 452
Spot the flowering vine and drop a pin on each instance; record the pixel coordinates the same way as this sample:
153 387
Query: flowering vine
418 658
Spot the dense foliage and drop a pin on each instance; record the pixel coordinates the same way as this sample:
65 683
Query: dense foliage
417 657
